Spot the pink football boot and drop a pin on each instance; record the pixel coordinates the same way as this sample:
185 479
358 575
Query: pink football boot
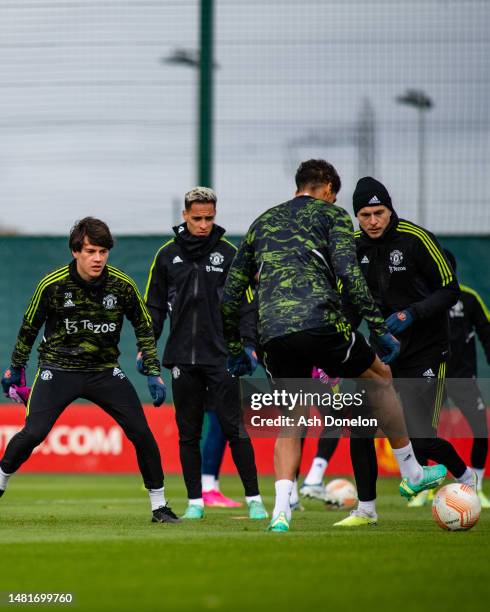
216 499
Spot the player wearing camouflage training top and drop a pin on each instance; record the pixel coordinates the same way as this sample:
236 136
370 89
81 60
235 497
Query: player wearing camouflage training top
300 250
82 306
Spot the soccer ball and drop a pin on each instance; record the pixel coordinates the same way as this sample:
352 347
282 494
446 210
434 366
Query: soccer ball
456 507
341 493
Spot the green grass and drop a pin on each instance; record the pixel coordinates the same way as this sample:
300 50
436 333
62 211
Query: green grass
91 535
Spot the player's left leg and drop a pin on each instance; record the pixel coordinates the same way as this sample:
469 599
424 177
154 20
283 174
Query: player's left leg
213 450
422 396
283 360
112 391
365 467
51 392
225 393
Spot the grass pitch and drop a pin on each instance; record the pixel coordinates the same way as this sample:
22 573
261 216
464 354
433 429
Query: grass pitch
91 536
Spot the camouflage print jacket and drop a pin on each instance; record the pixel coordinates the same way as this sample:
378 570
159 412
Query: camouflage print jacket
83 321
301 251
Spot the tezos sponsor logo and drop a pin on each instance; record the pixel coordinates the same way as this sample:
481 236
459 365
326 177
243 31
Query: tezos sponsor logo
72 327
109 302
46 375
175 372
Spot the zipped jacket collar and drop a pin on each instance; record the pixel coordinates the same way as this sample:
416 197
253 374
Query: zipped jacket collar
196 247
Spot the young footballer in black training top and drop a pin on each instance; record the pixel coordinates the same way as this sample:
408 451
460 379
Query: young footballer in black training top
186 281
82 306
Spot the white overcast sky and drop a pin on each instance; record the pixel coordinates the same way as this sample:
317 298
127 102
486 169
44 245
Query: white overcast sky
92 122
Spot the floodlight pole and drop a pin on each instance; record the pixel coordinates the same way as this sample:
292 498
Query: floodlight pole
203 61
422 103
206 90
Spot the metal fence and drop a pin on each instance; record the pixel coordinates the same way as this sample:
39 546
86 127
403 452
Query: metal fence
98 115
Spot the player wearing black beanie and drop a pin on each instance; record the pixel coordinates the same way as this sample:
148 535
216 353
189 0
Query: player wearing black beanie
414 286
370 192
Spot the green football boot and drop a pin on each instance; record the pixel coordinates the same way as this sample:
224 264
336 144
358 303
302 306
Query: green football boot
280 523
193 512
420 500
257 511
432 477
357 519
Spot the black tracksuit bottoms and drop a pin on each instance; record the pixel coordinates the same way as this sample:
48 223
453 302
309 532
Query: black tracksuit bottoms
53 390
467 397
197 388
421 397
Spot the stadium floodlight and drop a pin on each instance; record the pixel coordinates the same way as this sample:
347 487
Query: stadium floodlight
419 100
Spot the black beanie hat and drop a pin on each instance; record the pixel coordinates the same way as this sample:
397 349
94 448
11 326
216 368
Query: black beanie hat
370 192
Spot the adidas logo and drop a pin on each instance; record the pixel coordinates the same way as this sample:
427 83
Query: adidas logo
177 259
68 304
365 259
374 200
428 372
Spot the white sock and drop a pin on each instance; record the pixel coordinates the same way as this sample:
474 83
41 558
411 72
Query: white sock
294 499
478 471
208 482
367 507
317 470
157 498
251 498
196 502
4 478
283 494
409 466
467 477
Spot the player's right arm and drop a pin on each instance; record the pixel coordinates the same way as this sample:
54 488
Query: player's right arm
237 282
35 317
156 293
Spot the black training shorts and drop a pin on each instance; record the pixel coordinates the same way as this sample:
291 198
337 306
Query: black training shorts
339 353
